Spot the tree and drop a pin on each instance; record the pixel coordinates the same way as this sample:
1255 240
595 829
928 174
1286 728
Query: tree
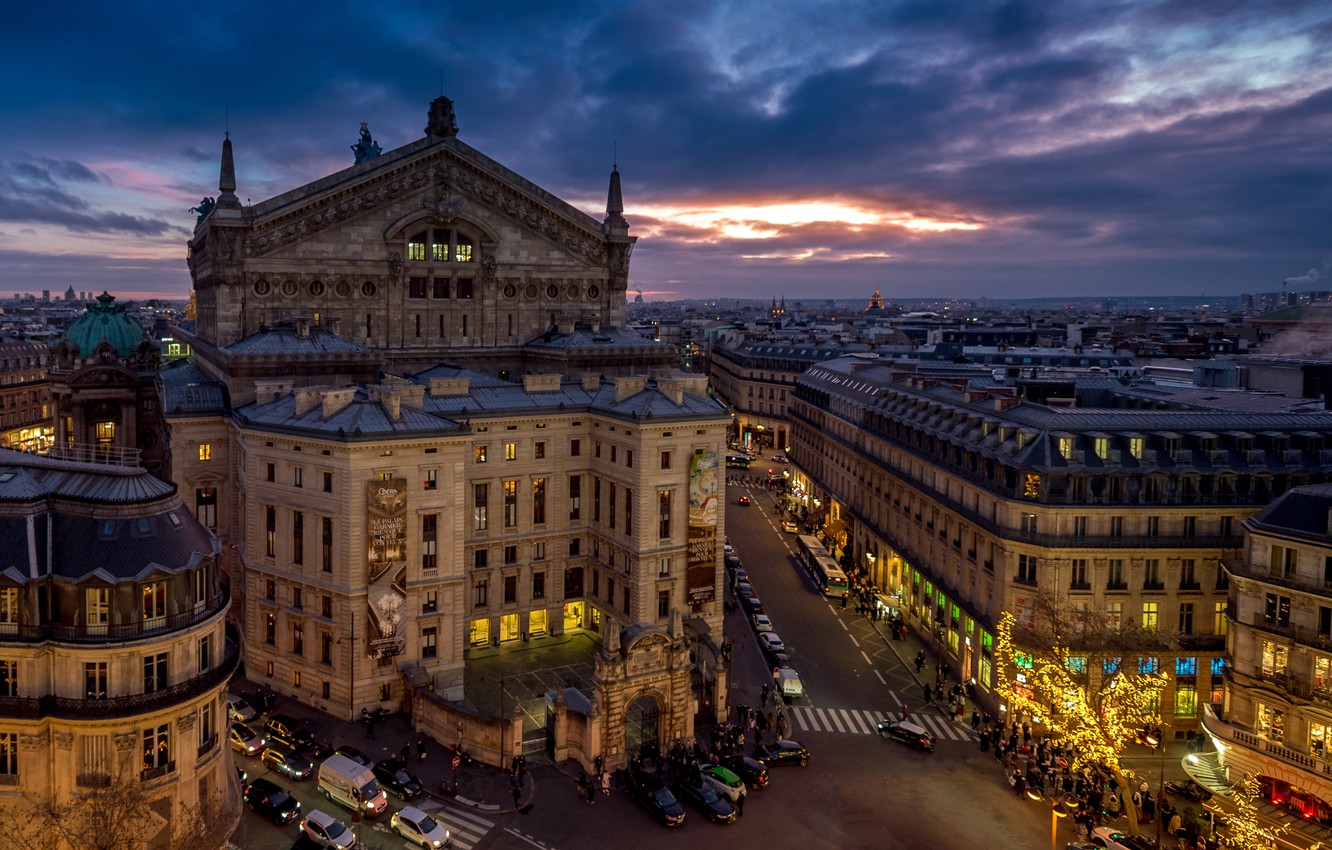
1088 682
1246 828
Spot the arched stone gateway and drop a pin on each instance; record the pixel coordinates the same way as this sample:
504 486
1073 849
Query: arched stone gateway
642 731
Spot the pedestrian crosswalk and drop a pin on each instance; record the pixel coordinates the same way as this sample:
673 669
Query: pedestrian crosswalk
857 722
465 827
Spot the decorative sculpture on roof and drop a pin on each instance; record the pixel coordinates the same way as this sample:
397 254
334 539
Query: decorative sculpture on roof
441 121
367 148
204 208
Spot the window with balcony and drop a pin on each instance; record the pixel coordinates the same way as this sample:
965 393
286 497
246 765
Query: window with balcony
1078 574
1028 523
1274 658
157 746
1186 618
1151 574
1283 562
9 678
1188 580
1276 610
97 609
480 500
94 680
155 673
153 603
1270 723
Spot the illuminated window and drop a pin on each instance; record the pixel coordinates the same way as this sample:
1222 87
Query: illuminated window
1066 447
1274 659
1271 723
1186 700
97 606
1149 666
106 433
1322 667
510 503
510 451
431 481
1114 614
416 247
1219 624
153 605
1077 664
538 501
9 609
1150 611
480 453
1186 666
9 672
1101 445
94 679
154 673
480 499
9 754
157 746
1135 447
205 451
205 506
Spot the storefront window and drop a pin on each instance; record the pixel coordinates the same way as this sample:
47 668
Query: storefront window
573 615
479 632
536 622
509 627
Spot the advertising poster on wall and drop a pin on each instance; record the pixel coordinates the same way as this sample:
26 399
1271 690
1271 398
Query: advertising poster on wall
386 564
704 503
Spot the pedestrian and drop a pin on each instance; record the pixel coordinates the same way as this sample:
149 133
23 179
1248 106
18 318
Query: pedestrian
920 660
369 727
925 690
740 804
605 784
406 753
906 712
420 748
517 796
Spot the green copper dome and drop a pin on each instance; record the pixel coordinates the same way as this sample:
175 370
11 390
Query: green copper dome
105 321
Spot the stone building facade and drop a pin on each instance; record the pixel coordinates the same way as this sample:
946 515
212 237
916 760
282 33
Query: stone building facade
25 396
961 496
114 657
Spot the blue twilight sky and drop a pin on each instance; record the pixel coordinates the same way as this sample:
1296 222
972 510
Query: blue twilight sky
1002 148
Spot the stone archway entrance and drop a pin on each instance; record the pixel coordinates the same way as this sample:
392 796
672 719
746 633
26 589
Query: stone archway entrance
643 729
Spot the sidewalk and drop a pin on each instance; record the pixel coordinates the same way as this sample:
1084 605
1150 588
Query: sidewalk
480 786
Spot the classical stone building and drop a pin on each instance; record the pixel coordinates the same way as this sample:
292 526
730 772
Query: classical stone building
962 496
105 388
114 657
1276 720
25 396
416 421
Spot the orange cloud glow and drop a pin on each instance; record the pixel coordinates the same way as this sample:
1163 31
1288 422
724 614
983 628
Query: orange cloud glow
767 220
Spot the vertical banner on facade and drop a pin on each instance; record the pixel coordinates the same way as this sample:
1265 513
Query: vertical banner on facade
704 502
386 564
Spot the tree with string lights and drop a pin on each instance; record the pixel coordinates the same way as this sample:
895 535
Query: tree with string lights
1091 685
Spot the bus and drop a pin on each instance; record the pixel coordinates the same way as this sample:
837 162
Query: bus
735 461
831 579
810 550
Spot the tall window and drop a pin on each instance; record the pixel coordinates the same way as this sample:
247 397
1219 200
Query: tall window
479 593
297 638
205 506
207 726
9 609
1276 610
326 544
297 477
1115 576
205 653
431 481
270 531
1026 569
97 609
270 629
1283 561
205 451
428 636
9 673
429 539
663 514
539 450
1078 574
1151 573
538 501
94 680
510 451
480 453
575 496
157 746
1219 624
154 672
1150 613
480 497
9 757
510 503
298 537
153 604
610 497
628 511
1186 618
596 498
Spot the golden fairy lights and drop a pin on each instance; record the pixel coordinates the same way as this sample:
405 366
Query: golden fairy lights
1098 716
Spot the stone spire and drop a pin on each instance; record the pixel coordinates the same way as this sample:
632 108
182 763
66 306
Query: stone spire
614 223
226 183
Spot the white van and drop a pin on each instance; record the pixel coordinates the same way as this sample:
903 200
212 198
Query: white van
353 785
790 686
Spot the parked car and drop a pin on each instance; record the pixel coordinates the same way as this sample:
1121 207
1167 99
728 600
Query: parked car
779 458
288 731
656 798
393 777
245 740
1112 839
328 831
750 770
1189 790
771 643
753 604
703 797
782 752
762 623
240 710
419 828
723 780
911 734
743 501
269 800
353 754
287 761
744 589
790 527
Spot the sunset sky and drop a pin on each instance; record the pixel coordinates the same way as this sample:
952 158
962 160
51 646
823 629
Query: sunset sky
814 149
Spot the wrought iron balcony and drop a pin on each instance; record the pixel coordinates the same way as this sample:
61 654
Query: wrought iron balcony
101 634
73 708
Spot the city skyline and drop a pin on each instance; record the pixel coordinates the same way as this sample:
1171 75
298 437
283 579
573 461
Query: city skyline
1000 150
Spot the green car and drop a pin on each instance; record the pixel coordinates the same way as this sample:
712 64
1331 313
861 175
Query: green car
723 780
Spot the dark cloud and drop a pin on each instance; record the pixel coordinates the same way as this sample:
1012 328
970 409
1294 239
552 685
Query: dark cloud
31 193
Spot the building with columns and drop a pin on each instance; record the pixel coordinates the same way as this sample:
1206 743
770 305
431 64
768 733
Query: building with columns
417 423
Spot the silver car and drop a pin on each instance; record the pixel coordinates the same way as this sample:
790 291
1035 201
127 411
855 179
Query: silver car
420 828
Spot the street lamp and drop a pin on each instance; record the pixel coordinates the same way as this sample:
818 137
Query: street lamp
1059 808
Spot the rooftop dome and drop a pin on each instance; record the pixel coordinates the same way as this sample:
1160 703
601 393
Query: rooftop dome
107 322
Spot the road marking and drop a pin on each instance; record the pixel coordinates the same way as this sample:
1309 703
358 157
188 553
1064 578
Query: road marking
866 657
895 697
853 639
516 834
881 680
843 624
864 722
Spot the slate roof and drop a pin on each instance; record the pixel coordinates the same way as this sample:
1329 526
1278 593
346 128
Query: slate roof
1302 512
284 341
111 544
581 338
362 418
187 390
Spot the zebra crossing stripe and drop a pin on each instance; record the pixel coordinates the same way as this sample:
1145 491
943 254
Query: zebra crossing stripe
865 722
465 828
855 716
836 721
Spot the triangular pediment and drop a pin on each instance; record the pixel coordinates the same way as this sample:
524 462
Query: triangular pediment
430 181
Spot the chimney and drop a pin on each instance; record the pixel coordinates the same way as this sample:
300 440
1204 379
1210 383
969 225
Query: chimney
594 324
565 326
628 385
335 400
335 326
307 398
541 383
591 381
303 328
449 386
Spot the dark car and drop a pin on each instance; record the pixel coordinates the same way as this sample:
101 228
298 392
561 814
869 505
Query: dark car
268 799
782 752
751 771
353 754
908 733
743 500
1189 790
288 762
656 798
705 798
394 778
287 731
